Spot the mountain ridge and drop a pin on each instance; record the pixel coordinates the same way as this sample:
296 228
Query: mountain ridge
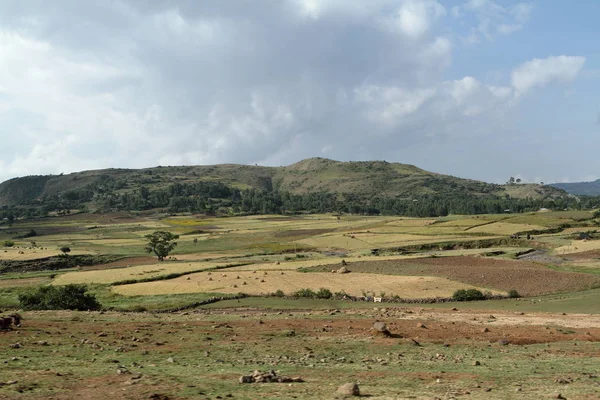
363 179
580 188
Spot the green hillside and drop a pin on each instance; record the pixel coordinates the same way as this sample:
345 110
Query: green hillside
365 179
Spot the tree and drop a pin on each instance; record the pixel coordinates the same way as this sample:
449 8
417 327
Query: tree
161 243
518 180
69 297
511 180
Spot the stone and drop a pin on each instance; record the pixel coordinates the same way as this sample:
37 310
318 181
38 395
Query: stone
380 326
349 389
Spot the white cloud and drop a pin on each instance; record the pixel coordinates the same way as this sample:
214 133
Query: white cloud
389 105
492 18
541 72
415 17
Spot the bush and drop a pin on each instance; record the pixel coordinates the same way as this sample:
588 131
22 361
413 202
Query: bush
513 294
9 243
69 297
65 249
305 293
324 294
468 295
279 293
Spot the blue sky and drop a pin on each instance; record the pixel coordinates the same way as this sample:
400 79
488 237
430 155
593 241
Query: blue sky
474 88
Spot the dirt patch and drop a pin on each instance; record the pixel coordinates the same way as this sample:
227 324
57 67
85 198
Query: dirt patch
529 279
126 262
302 232
583 256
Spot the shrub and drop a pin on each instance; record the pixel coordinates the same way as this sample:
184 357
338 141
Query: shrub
279 293
324 294
513 294
305 293
69 297
65 249
9 243
468 295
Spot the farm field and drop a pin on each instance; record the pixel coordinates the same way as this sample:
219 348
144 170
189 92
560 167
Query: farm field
189 337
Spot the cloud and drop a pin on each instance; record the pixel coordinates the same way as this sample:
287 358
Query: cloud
492 19
415 17
541 72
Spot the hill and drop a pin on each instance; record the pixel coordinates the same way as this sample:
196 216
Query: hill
580 188
364 180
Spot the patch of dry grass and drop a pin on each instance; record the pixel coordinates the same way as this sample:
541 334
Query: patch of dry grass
251 282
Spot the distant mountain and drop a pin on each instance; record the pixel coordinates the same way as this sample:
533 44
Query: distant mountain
580 188
362 179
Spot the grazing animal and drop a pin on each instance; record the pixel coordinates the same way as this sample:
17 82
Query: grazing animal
16 319
13 319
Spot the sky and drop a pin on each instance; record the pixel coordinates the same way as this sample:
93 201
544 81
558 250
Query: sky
481 89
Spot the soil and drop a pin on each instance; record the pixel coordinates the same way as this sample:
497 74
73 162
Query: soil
528 278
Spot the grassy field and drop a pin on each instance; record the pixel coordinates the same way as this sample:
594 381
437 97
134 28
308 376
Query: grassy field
154 340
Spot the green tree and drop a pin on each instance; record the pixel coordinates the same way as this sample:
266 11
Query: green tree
161 243
65 250
69 297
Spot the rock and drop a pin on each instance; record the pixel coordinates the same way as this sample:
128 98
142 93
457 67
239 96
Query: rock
156 396
503 342
563 381
476 363
380 326
343 270
16 346
485 330
421 325
171 360
246 379
349 389
560 396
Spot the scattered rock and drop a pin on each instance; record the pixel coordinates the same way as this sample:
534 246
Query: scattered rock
16 346
349 389
268 377
343 270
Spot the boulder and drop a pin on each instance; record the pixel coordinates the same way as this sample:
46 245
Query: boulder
343 270
349 389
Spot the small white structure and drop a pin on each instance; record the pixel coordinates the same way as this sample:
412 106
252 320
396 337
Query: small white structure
377 299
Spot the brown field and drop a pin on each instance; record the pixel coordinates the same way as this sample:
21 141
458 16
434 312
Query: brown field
529 279
257 283
208 350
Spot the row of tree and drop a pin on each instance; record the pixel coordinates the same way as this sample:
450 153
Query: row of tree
218 198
